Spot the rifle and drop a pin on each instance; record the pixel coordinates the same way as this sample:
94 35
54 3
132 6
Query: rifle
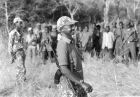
127 39
67 80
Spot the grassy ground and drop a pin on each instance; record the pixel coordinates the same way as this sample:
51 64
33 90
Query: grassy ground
107 79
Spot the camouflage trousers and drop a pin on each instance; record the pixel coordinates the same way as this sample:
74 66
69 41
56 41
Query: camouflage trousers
21 71
68 89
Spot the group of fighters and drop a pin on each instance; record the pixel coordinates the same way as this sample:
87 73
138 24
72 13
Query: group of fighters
39 41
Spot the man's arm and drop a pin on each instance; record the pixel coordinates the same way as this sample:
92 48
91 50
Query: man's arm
69 74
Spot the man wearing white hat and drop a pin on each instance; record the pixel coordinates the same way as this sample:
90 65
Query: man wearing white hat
68 56
16 49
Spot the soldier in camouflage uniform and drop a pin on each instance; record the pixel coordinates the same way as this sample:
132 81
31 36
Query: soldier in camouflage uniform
129 43
16 49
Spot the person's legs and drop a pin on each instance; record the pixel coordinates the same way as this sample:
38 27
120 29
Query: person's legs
37 49
21 71
92 52
39 46
133 53
126 56
53 48
118 46
104 53
43 56
33 54
49 50
110 51
97 49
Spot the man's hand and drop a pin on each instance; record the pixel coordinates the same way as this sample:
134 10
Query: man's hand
88 88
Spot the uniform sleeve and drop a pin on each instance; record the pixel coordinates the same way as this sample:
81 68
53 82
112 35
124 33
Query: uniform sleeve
62 53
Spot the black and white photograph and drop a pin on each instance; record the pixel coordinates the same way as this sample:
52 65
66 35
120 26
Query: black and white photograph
69 48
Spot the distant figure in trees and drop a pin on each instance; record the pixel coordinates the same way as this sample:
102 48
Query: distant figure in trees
54 34
46 42
31 40
96 44
108 41
86 38
37 31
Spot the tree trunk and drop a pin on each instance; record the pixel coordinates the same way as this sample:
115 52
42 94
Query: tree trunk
6 15
72 16
106 10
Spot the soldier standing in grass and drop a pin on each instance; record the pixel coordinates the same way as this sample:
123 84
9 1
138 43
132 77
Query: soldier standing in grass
129 42
16 49
69 56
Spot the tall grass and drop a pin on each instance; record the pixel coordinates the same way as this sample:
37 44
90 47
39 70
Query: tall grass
108 79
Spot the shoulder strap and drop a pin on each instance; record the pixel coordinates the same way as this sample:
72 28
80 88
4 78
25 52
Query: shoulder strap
70 57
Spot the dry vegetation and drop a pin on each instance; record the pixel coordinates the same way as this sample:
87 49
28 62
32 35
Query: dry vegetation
107 79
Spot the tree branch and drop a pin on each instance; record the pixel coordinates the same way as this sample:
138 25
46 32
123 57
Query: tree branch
68 9
76 7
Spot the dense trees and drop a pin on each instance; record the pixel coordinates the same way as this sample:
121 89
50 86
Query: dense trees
82 10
